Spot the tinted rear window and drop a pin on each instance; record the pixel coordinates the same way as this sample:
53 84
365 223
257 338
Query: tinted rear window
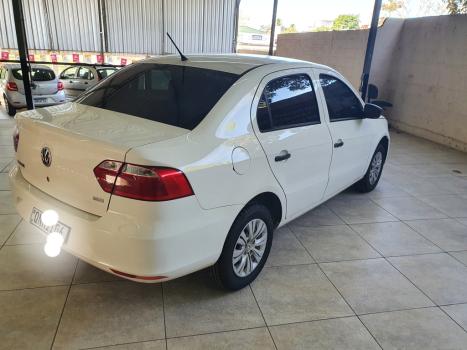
38 74
175 95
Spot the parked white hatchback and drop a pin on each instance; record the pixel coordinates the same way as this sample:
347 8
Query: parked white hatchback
46 89
170 166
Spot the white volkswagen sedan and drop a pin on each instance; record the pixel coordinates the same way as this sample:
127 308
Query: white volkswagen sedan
168 167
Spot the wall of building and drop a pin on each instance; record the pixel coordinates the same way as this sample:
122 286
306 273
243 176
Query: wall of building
129 26
419 65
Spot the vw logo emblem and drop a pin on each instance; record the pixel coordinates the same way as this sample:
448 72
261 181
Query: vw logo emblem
46 156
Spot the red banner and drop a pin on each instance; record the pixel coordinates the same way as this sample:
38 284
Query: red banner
100 59
123 61
76 58
31 58
5 55
53 57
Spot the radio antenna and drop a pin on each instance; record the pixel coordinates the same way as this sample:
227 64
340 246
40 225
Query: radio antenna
182 56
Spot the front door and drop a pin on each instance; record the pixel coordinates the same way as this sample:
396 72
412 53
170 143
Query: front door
287 121
351 133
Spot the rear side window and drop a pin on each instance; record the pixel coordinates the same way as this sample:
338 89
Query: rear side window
287 102
176 95
85 74
37 74
341 101
105 72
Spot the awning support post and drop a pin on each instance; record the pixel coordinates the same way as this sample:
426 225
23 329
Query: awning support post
23 50
370 48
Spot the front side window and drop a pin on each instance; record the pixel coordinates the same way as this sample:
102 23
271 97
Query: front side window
171 94
341 101
287 102
69 73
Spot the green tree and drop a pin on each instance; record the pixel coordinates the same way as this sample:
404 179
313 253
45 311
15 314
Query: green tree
456 7
290 29
322 29
345 22
392 6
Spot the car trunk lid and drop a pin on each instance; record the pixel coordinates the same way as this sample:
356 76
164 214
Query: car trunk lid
77 138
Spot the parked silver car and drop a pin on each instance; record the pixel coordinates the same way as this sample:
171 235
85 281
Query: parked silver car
46 89
76 79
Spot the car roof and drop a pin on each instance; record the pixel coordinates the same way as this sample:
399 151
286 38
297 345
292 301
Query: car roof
17 66
232 63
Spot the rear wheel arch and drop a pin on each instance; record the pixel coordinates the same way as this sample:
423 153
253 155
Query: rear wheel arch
272 202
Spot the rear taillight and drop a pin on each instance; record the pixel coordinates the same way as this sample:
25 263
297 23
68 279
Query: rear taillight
11 86
16 138
142 182
59 86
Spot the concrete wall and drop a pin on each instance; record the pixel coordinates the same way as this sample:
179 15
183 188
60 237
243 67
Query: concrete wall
419 64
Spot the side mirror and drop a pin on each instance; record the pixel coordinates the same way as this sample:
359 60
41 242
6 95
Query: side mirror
372 111
372 91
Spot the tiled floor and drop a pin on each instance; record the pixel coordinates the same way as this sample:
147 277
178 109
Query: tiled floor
386 269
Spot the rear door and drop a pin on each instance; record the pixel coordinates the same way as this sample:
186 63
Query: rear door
287 121
351 133
84 79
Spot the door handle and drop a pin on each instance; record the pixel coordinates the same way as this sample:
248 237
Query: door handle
284 155
86 82
339 143
71 81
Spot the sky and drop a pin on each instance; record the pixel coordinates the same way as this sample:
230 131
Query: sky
305 13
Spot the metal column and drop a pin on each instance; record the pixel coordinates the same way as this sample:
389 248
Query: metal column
23 49
370 48
273 28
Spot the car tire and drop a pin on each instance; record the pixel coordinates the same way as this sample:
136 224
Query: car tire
9 108
241 247
375 169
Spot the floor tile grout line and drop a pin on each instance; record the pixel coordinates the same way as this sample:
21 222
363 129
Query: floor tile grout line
64 305
262 315
163 313
452 256
421 234
338 291
413 283
11 233
119 344
436 304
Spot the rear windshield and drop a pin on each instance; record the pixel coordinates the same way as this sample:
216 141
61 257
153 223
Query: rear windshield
37 74
175 95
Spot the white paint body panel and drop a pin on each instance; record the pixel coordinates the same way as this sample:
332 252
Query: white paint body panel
180 236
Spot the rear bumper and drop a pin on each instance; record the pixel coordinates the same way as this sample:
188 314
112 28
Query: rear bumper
18 100
139 238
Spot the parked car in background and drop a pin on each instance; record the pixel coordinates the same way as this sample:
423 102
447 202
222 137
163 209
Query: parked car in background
46 89
77 79
170 166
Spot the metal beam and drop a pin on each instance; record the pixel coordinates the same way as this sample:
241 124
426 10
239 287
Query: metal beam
370 48
23 50
273 28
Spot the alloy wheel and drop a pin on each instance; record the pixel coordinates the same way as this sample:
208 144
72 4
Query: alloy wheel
250 247
375 167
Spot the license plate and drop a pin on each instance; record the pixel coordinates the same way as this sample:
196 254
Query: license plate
59 227
40 100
